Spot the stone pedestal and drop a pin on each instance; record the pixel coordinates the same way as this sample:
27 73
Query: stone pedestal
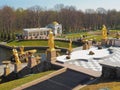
104 41
38 59
51 55
88 45
32 61
6 71
85 46
17 67
6 68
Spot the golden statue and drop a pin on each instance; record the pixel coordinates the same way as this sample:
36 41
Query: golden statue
117 35
51 41
31 51
22 50
70 46
15 53
104 32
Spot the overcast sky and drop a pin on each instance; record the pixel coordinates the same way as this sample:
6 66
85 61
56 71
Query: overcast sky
79 4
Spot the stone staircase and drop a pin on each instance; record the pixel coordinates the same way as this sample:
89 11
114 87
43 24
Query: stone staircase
67 80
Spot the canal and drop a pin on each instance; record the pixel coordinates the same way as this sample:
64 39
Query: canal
5 53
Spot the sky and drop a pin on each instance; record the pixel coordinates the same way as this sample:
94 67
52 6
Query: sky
49 4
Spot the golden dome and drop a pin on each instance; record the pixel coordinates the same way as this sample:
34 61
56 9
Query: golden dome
55 23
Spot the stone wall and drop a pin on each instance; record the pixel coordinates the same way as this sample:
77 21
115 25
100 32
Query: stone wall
110 72
42 66
113 42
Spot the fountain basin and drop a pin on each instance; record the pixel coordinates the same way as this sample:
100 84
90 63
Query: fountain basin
84 54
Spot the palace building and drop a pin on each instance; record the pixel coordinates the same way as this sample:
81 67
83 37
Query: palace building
42 33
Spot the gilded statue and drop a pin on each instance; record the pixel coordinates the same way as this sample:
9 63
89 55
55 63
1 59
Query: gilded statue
51 41
22 50
70 46
117 35
104 32
15 53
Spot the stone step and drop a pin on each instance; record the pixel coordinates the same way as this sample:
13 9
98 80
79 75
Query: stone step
64 81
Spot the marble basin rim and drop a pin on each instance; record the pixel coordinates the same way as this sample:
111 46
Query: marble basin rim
84 54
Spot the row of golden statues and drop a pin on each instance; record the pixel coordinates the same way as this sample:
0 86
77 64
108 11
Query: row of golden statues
51 45
22 52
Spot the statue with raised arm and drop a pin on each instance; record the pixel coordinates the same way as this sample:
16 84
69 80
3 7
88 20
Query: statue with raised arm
15 53
51 41
104 32
22 50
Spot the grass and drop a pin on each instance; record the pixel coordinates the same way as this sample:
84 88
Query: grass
97 35
76 35
39 43
90 35
28 43
103 85
15 83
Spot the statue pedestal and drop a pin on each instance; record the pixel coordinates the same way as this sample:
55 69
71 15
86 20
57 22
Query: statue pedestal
85 46
88 46
38 59
51 55
104 41
6 71
32 61
6 68
18 67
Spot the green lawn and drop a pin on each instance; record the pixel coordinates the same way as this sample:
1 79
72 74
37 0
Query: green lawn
76 35
103 86
15 83
97 35
39 43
